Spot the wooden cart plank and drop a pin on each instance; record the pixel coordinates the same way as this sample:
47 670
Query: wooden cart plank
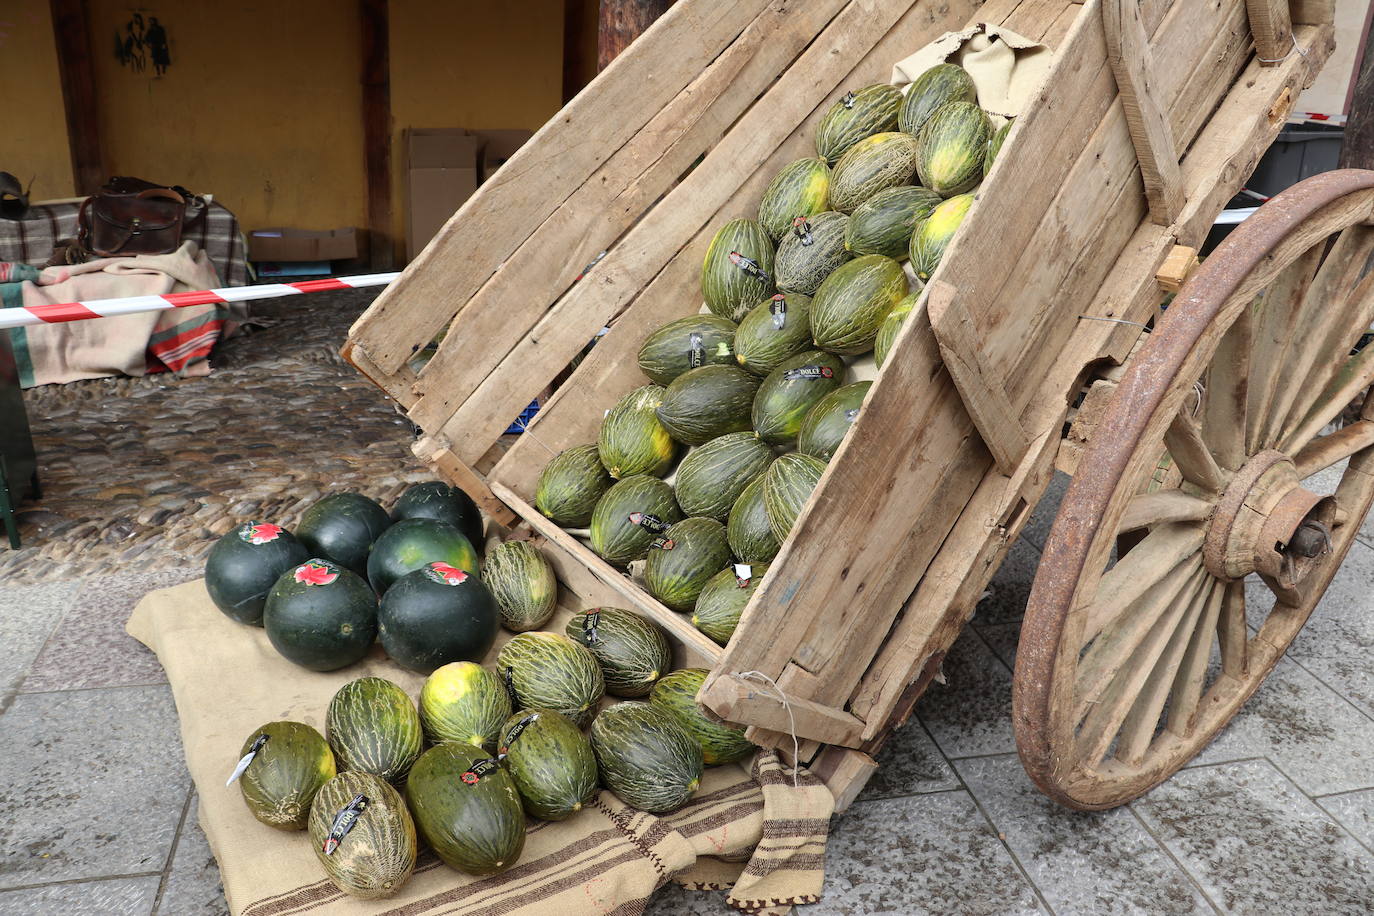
1273 30
541 175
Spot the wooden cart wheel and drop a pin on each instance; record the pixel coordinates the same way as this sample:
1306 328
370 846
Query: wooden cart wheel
1128 665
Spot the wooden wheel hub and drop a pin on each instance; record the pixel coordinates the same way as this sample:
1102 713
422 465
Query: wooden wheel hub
1267 522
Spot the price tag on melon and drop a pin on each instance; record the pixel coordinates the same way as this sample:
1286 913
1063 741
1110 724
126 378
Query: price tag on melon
808 372
744 573
779 310
509 677
748 265
662 543
850 414
343 822
647 521
515 733
696 354
484 767
589 624
801 228
247 758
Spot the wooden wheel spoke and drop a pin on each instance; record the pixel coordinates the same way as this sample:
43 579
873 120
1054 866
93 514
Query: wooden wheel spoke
1192 455
1336 447
1354 376
1225 404
1106 716
1120 641
1156 507
1139 571
1275 318
1191 640
1186 692
1233 636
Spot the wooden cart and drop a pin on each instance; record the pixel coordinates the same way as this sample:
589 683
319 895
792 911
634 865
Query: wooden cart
1154 114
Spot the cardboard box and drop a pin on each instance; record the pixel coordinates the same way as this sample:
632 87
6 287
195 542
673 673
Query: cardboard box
283 244
441 173
497 146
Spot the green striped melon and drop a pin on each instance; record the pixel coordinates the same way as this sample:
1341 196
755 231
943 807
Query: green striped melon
940 84
708 402
372 727
697 340
883 224
376 855
522 581
467 808
628 518
550 761
935 233
644 757
853 301
789 392
692 551
873 164
288 768
711 477
871 110
722 601
952 145
887 332
462 701
551 671
828 422
773 331
809 253
632 440
995 146
787 485
747 530
676 695
738 270
570 486
632 650
800 188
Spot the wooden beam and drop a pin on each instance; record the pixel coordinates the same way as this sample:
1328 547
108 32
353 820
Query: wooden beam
621 22
71 32
1357 149
376 80
979 386
1128 49
1177 267
1272 26
738 700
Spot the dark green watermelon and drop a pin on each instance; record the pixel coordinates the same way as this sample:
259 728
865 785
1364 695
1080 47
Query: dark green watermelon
632 440
883 224
467 808
708 402
551 671
289 764
787 485
853 301
675 694
414 543
687 343
828 422
953 144
773 331
550 761
750 536
691 552
810 252
873 164
800 188
321 616
791 390
245 563
940 84
628 518
570 486
363 835
738 271
372 727
342 527
871 110
934 234
462 701
711 477
523 583
632 650
722 601
644 757
437 500
435 615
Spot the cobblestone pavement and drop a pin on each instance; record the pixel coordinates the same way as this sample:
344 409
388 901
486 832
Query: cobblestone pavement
99 815
144 473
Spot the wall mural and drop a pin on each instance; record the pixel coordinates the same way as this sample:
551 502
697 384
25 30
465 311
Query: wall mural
142 45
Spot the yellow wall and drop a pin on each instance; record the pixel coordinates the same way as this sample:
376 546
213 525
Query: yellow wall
33 141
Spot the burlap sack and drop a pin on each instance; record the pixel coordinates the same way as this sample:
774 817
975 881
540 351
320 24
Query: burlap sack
227 681
1007 68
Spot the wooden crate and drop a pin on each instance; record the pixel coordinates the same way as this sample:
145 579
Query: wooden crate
1052 276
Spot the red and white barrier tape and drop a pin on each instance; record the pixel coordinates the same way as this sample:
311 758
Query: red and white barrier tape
105 308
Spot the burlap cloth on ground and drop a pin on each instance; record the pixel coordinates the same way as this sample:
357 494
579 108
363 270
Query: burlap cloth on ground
227 680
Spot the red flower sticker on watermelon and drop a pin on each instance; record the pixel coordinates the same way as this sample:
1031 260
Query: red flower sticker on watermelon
315 573
446 574
260 532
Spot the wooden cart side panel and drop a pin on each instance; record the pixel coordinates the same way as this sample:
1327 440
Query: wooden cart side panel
614 198
570 417
543 173
910 416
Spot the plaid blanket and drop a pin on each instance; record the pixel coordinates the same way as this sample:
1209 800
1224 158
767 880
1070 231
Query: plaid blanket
31 240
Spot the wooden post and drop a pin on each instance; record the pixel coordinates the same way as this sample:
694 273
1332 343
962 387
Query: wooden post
1357 150
71 32
622 21
376 80
1272 26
